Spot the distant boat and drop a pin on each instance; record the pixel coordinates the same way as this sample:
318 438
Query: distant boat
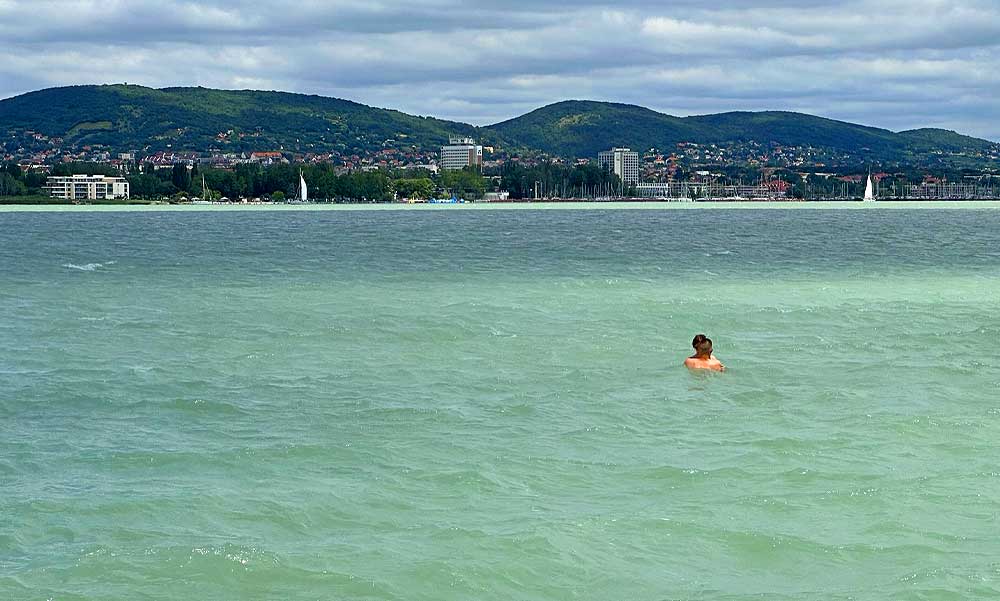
303 195
869 190
206 195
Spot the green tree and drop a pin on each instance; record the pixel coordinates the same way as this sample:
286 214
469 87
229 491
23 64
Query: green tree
35 180
180 177
799 190
414 188
224 183
465 183
11 168
194 180
143 185
11 186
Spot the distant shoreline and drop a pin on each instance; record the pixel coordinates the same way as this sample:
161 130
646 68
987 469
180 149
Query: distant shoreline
507 206
651 201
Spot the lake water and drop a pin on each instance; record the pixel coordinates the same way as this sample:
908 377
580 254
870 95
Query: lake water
489 404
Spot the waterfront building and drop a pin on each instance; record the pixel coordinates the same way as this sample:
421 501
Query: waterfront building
623 162
461 153
87 187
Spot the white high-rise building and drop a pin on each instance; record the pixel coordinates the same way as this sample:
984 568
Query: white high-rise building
87 187
461 153
623 162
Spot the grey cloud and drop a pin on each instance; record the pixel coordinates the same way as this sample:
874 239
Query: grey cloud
890 63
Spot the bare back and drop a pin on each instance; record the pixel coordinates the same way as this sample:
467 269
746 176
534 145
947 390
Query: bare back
710 363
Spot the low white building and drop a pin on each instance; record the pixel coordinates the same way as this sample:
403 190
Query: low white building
87 187
431 168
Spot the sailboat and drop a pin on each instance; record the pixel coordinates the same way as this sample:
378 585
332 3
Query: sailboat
869 189
206 198
303 195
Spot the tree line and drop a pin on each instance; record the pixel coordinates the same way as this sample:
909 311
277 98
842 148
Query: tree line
326 183
553 179
276 182
550 179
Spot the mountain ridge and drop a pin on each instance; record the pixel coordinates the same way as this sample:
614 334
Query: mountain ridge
198 118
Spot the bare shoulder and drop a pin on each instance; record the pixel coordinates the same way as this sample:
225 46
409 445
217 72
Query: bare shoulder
709 364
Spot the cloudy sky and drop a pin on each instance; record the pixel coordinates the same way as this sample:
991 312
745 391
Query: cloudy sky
891 63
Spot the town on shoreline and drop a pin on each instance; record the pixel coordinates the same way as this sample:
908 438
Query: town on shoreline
457 174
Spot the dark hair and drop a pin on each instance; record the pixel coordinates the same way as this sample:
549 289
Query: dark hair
702 344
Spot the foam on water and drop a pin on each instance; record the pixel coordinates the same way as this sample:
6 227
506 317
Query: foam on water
490 405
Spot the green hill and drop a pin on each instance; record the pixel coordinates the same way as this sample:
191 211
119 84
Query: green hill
791 129
193 118
931 140
134 117
583 128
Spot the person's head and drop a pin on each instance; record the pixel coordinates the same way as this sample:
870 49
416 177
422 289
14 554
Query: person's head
702 345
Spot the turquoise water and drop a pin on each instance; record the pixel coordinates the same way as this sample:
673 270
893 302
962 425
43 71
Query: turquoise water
466 404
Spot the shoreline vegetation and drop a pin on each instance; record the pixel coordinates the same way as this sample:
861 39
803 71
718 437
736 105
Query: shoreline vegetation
547 182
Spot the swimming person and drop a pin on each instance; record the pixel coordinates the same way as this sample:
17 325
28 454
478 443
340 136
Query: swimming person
703 357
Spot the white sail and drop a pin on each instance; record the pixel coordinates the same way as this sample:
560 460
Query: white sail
303 191
870 190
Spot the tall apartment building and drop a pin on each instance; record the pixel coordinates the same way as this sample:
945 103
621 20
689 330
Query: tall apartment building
623 162
87 187
461 153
